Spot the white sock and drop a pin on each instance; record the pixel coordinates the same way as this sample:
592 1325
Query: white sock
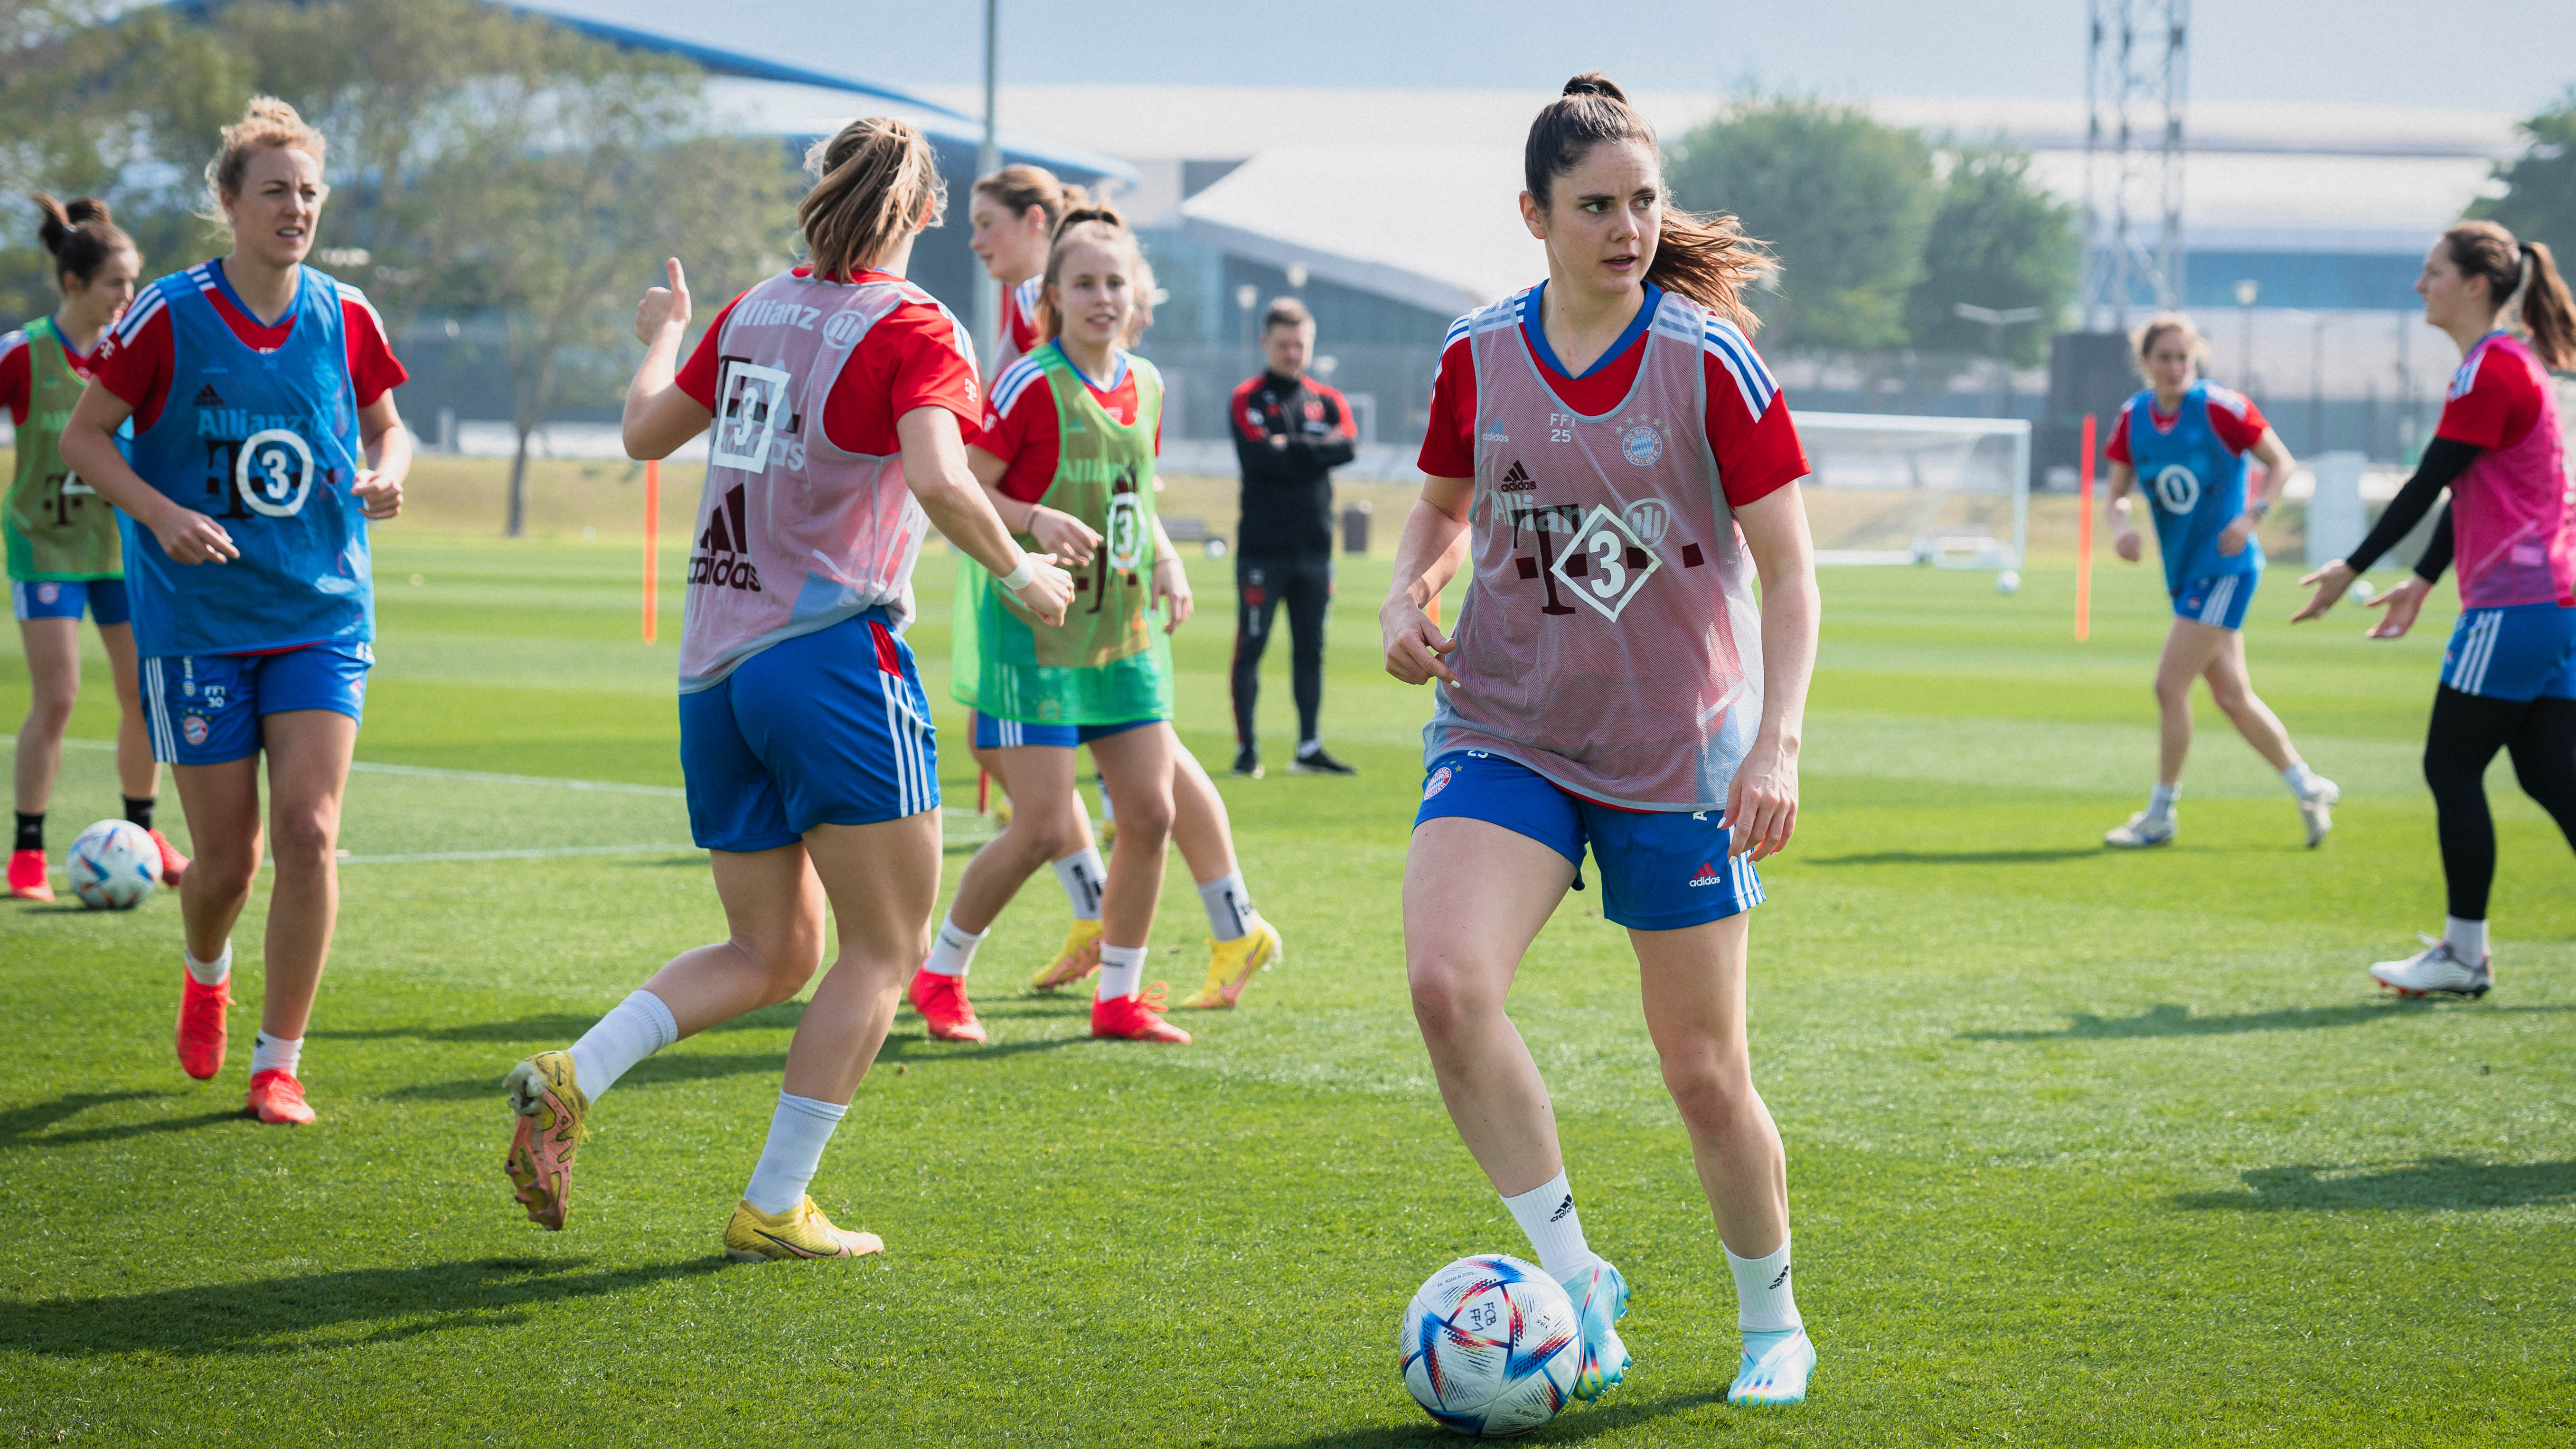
638 1027
953 949
1122 971
1229 907
1083 877
268 1053
1308 747
1765 1300
798 1132
2468 939
2161 803
1546 1213
210 973
2299 778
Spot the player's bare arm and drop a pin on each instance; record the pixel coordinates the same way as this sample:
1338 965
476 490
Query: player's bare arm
2277 468
1762 803
1426 558
934 468
1171 580
379 488
2124 536
659 416
1059 533
89 446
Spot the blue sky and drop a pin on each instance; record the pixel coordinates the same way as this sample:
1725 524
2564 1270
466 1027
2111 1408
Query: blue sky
2517 54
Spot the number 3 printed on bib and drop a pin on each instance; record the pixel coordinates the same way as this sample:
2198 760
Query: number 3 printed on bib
273 469
1607 563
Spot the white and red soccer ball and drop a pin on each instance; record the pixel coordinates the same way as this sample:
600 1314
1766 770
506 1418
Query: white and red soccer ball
1490 1346
114 865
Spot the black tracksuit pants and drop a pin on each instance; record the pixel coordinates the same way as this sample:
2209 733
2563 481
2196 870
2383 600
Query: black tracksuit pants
1305 585
2467 731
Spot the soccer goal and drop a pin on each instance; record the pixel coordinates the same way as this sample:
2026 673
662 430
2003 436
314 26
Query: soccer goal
1888 489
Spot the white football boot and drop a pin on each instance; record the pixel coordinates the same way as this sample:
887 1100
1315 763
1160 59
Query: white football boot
2140 832
2436 971
2317 809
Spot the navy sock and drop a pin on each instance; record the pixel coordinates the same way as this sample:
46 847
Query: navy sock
31 831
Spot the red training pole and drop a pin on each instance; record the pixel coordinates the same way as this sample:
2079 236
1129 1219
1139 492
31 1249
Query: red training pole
2084 540
653 542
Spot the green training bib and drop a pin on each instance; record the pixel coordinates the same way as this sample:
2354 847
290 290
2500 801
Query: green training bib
1109 662
57 526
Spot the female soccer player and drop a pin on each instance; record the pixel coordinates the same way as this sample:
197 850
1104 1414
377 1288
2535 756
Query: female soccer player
2189 438
64 554
2509 675
838 391
262 391
1621 466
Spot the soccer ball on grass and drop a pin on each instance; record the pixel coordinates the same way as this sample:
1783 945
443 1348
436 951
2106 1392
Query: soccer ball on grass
1490 1345
114 865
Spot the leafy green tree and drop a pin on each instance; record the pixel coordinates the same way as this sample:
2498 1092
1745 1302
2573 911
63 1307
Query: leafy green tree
2001 242
2539 200
1844 201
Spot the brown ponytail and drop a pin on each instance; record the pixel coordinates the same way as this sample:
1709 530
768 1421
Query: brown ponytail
267 124
1706 258
1101 224
1019 186
875 179
2485 249
81 236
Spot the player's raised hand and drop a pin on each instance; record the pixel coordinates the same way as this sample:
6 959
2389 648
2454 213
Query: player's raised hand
1415 646
379 497
1172 586
2403 602
2329 582
2126 544
1049 592
663 306
1063 535
190 537
1762 802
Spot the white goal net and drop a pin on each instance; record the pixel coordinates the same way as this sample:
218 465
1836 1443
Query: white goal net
1891 489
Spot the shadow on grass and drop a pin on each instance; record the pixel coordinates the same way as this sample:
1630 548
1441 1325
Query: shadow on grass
1574 1426
1962 857
555 1027
275 1315
2172 1020
23 1127
2435 1182
668 1067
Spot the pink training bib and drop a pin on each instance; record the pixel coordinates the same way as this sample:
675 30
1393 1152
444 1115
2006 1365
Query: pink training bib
2513 516
793 534
1609 639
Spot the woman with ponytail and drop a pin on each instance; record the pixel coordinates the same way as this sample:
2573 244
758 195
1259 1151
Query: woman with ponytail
840 397
2509 675
1615 467
266 444
65 557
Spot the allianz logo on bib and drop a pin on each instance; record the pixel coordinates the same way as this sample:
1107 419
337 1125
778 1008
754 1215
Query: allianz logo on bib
720 560
1707 876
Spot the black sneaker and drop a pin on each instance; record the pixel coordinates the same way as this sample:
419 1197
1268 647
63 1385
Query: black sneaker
1247 762
1317 762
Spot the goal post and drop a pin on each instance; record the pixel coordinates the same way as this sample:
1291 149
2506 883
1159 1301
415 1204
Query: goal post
1889 488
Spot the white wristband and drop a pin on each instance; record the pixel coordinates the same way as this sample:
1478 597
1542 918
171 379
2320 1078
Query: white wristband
1018 578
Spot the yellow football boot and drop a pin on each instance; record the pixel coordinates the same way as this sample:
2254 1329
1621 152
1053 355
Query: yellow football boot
1079 958
753 1236
551 1111
1231 964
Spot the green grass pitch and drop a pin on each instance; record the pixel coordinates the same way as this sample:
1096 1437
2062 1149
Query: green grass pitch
2084 1148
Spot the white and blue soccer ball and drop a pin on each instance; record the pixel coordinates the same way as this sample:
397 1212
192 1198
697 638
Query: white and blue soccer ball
2008 582
114 865
1490 1345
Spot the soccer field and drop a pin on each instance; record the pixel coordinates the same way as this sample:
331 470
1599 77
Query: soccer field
2084 1148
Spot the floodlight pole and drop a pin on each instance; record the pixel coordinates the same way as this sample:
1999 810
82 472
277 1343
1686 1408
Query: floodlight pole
1995 320
988 159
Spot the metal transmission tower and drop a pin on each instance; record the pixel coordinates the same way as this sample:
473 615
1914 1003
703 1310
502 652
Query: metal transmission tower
2139 65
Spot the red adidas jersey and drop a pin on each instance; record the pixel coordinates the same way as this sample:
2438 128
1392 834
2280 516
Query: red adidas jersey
1756 445
2489 406
135 362
18 372
2232 416
1020 423
918 356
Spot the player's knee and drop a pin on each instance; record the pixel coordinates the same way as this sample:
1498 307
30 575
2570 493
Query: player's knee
1709 1089
1447 999
1148 818
2172 693
303 837
2230 696
49 714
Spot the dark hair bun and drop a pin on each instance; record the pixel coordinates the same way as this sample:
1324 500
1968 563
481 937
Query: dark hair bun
1594 83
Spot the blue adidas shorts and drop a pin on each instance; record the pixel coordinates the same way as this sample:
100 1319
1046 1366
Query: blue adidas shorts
827 728
205 709
1661 870
104 599
2521 652
1010 734
2219 600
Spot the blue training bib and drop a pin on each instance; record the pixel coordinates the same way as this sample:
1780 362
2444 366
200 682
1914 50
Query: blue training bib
267 444
2195 487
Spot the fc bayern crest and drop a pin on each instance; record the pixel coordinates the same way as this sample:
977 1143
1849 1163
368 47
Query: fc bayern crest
1439 782
1642 444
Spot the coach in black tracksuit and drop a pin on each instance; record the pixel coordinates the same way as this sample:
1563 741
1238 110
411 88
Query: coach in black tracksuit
1290 432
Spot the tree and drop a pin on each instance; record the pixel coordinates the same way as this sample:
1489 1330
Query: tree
1844 201
2539 186
1997 241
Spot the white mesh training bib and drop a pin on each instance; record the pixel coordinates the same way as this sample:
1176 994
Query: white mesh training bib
1609 639
793 534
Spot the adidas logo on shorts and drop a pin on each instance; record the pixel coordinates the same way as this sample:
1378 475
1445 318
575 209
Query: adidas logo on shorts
1707 876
